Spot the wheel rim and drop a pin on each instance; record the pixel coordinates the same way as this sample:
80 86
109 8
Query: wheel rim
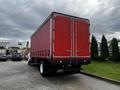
41 68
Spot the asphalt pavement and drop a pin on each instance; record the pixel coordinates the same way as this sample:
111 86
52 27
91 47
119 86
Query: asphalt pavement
17 75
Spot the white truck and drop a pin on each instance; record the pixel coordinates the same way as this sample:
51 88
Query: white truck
3 56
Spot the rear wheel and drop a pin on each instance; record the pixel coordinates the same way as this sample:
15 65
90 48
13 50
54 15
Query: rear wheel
29 62
43 68
46 69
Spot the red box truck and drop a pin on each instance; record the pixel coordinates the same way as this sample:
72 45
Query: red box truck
61 42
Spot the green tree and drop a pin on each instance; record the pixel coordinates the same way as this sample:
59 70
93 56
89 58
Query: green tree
115 50
94 48
104 48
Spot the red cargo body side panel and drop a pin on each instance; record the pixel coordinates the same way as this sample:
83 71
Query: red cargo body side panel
40 42
61 36
81 38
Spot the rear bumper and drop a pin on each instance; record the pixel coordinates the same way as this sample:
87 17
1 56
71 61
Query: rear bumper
71 63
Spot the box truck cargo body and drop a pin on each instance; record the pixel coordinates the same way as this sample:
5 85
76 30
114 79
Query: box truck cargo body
61 42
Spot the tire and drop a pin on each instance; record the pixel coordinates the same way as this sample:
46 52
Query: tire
29 63
43 68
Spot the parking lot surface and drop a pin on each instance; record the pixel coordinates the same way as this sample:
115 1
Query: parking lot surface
17 75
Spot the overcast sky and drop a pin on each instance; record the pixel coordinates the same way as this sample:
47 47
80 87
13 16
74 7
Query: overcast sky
20 18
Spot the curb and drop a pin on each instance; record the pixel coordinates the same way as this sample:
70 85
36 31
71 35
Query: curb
101 78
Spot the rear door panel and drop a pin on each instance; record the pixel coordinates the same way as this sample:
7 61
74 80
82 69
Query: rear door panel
62 36
81 38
